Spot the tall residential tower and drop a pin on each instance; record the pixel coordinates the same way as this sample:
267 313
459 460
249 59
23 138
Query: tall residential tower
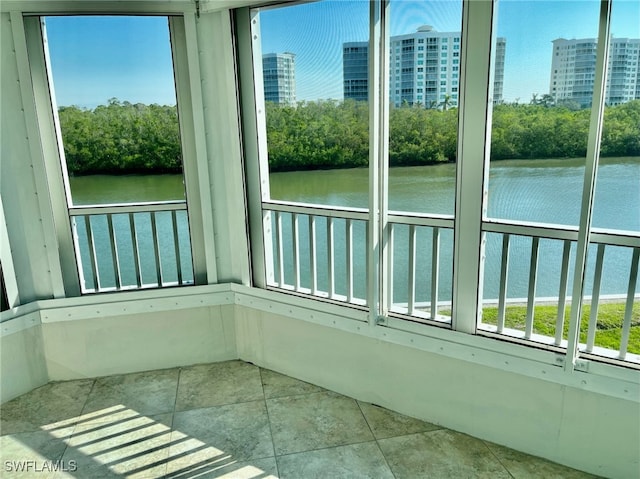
279 76
573 68
424 68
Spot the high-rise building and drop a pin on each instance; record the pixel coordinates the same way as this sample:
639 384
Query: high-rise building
424 68
355 68
279 77
573 68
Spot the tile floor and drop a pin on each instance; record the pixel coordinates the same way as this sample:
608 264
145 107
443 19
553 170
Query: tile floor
234 420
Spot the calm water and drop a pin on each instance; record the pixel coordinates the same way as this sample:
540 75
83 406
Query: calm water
547 191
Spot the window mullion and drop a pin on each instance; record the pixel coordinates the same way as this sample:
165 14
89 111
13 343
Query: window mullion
30 55
590 172
378 154
195 166
472 170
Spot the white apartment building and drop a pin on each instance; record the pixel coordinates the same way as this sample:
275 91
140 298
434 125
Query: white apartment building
279 74
573 69
424 68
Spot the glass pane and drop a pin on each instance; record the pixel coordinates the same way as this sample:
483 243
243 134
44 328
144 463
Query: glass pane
540 125
617 196
424 68
315 70
114 87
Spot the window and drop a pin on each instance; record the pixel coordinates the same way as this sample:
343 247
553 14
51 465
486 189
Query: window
318 149
121 150
524 256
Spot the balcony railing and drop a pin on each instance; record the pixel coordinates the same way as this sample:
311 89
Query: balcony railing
559 251
315 250
122 247
321 251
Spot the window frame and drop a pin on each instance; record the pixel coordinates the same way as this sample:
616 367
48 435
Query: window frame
197 202
475 100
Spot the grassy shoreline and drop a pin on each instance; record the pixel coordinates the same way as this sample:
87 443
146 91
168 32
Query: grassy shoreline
608 326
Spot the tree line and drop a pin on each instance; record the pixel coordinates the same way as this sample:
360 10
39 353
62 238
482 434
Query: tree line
125 138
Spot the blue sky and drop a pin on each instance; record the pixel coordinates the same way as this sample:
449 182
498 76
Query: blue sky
97 58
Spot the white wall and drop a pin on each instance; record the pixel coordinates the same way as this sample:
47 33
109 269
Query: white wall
581 429
138 342
22 363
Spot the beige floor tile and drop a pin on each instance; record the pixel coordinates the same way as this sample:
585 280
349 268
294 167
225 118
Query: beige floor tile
314 421
354 461
440 454
385 423
229 468
44 406
149 392
135 448
524 466
216 384
31 455
233 432
278 385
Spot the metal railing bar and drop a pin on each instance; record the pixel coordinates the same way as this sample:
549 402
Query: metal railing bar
349 257
562 293
626 325
279 249
619 238
176 245
595 298
295 246
521 228
136 248
313 260
435 271
156 247
504 276
411 287
317 210
117 274
92 253
390 267
440 221
331 286
128 208
531 298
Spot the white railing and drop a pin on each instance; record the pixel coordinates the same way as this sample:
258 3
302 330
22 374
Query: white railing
321 251
566 238
313 250
422 239
132 246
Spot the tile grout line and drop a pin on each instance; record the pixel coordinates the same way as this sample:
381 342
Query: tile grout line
375 438
84 405
266 408
497 458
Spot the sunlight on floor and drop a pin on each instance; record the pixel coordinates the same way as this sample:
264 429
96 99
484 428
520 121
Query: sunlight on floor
136 446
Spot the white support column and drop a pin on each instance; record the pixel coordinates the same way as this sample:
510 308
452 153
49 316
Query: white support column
474 138
217 58
588 188
378 154
24 187
194 148
254 144
53 150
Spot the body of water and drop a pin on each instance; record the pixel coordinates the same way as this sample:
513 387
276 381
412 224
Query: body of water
546 191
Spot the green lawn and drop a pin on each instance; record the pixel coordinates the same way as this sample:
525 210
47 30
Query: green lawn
609 326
